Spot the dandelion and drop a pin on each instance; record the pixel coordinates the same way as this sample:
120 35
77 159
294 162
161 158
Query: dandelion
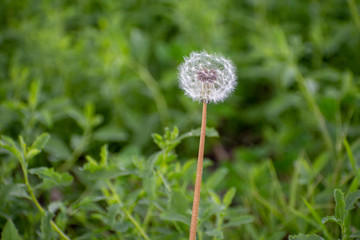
205 78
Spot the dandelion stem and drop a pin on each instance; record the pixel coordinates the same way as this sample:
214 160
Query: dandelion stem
195 210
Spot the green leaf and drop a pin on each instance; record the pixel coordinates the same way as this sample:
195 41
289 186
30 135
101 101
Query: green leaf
328 107
92 120
5 140
10 145
175 133
215 179
239 220
352 160
340 211
32 153
23 145
34 94
104 156
140 44
94 171
91 165
77 115
214 197
350 200
51 178
305 237
10 232
46 229
317 218
57 149
229 195
41 141
178 201
18 190
216 233
171 216
355 235
110 133
158 139
149 183
330 219
5 190
209 132
14 151
89 200
112 211
319 163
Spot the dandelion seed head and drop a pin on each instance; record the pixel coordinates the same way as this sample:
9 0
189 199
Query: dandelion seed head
207 77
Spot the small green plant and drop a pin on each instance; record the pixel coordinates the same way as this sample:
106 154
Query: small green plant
125 195
95 73
343 208
24 154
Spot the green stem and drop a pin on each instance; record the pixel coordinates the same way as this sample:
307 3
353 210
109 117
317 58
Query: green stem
219 221
127 213
58 230
41 210
148 215
30 190
344 232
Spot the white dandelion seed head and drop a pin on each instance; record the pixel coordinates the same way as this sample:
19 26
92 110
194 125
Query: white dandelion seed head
207 77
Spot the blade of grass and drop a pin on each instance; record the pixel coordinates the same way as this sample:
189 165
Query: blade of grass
352 160
277 185
354 13
154 88
294 186
316 111
317 219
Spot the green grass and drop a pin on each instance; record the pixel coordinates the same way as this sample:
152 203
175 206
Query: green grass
85 85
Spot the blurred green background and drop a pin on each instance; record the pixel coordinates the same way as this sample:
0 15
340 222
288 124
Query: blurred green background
105 72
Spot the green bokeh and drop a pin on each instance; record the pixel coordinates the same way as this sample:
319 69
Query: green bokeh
105 72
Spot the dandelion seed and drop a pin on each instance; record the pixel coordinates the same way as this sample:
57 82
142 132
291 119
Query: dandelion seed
205 77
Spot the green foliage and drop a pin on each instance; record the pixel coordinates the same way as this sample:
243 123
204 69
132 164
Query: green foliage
10 232
156 191
305 237
342 212
100 77
51 178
